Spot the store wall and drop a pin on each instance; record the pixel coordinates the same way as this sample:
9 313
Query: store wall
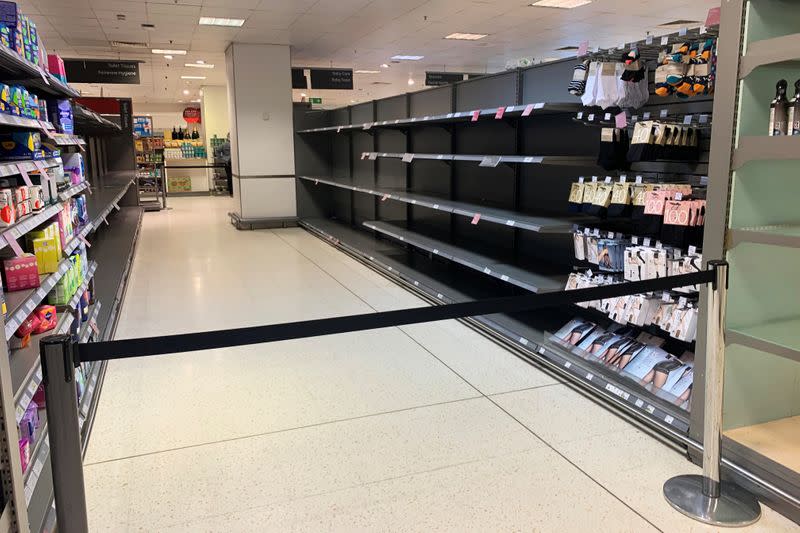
165 116
215 114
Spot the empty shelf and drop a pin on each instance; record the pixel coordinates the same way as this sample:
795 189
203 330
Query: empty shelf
511 274
786 235
778 338
784 49
512 111
505 217
776 440
487 160
756 148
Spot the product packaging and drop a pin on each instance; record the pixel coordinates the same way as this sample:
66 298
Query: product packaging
21 145
28 326
8 212
25 453
20 273
74 167
29 422
56 66
47 318
60 112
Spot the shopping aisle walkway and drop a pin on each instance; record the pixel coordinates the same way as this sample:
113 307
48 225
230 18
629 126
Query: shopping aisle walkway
424 428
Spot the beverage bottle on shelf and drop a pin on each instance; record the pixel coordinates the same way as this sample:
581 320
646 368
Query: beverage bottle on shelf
174 133
195 133
779 111
794 111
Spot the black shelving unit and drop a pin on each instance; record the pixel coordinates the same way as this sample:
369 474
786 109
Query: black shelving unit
461 192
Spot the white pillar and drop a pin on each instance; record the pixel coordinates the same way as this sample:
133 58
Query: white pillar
262 130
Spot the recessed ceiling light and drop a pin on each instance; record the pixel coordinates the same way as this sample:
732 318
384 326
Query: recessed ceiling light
466 36
407 58
185 92
304 95
201 65
384 65
196 101
170 52
219 21
193 77
128 44
411 81
167 56
561 4
368 72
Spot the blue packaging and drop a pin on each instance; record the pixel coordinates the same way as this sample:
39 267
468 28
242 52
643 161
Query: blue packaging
21 145
60 112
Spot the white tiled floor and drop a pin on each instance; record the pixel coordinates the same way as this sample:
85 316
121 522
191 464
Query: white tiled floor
422 428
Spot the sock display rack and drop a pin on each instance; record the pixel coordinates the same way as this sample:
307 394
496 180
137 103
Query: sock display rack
464 192
753 212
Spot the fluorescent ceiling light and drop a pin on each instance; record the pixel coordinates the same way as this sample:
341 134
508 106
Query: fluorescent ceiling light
167 56
193 77
368 72
200 65
384 65
170 52
407 58
197 101
185 92
562 4
411 81
467 36
219 21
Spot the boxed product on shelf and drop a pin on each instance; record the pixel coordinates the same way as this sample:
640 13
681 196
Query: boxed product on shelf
21 145
20 273
36 198
48 318
8 211
47 253
74 167
60 112
29 422
56 66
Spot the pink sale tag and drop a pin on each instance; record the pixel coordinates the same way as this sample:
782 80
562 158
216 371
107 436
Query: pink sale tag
528 110
712 19
24 174
621 120
583 48
476 219
384 197
475 115
84 241
500 112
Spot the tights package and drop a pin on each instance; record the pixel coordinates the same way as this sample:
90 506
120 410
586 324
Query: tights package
605 84
654 140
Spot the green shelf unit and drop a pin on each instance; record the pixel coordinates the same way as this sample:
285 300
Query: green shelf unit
753 221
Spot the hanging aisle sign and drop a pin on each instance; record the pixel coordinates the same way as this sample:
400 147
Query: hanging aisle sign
299 80
437 79
332 78
101 71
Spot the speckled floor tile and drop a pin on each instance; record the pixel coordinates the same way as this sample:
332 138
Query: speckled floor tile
452 467
176 486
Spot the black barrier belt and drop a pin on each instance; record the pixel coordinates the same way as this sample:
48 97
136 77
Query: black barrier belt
194 166
208 340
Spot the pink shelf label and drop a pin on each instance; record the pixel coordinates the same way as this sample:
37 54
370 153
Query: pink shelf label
583 48
500 112
25 177
528 110
475 115
84 241
12 242
476 218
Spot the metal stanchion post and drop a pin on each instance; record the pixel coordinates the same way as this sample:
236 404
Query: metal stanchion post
58 376
705 497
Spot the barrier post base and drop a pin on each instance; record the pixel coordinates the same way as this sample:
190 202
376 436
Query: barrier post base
735 507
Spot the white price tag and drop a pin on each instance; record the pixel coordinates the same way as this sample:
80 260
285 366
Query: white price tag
687 119
607 116
692 250
580 115
589 376
567 364
702 119
594 179
665 40
639 403
638 179
650 409
510 223
408 158
682 32
647 241
669 419
487 270
504 277
591 117
608 179
664 113
523 341
646 116
648 39
581 179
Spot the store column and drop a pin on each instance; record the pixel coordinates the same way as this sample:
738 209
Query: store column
262 131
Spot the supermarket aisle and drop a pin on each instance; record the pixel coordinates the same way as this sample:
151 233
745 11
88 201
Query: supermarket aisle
429 427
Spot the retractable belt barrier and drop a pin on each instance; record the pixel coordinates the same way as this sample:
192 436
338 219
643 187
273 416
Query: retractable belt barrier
705 498
189 342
